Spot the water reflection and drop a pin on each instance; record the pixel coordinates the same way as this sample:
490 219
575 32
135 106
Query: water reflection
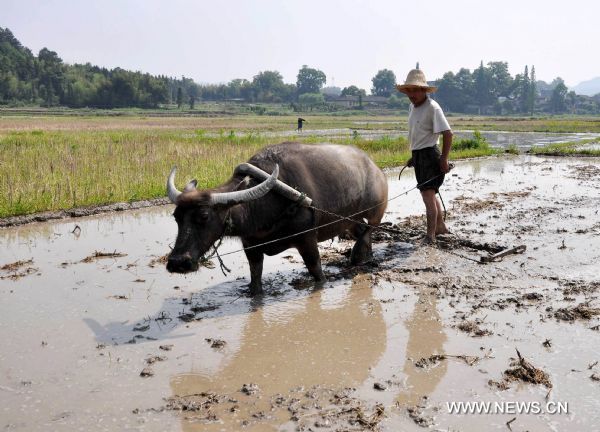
425 337
316 346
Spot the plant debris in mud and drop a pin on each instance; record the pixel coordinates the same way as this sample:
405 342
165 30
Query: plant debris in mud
576 287
522 370
188 317
533 296
584 172
582 311
18 275
250 389
147 372
433 360
472 327
316 407
216 343
162 260
13 269
195 403
154 359
99 255
417 414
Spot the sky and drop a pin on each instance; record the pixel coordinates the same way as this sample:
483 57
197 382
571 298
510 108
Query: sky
215 41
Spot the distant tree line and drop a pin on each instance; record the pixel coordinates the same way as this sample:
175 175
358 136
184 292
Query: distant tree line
46 80
492 90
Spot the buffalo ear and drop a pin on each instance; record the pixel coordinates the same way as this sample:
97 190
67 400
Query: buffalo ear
191 186
245 182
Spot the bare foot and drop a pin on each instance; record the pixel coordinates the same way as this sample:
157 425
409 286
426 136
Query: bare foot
442 230
428 241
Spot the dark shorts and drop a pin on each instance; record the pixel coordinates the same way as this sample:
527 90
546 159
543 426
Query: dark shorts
427 168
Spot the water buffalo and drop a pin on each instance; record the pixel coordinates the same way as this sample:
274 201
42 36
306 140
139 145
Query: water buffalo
340 179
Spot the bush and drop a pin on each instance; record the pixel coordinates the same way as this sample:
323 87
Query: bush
477 142
512 149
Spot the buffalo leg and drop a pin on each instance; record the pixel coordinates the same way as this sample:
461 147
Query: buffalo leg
361 252
310 254
255 260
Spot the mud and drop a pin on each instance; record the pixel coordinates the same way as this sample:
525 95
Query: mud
117 343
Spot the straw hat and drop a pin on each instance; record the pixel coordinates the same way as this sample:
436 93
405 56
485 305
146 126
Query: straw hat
416 78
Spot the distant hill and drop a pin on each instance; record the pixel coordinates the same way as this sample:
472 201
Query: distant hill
588 88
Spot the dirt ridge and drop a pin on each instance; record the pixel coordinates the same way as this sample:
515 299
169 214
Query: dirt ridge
12 221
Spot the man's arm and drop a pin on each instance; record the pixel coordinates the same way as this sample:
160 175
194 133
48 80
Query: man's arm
446 145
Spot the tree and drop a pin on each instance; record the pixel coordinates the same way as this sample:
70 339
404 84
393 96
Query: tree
571 102
331 91
483 94
179 97
456 92
449 93
310 80
353 91
524 91
500 80
532 92
311 100
396 102
268 86
559 96
384 83
51 76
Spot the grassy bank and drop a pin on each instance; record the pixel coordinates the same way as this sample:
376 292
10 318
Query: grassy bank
59 169
589 147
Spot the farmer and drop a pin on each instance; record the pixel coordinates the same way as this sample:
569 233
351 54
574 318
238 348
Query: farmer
426 121
300 121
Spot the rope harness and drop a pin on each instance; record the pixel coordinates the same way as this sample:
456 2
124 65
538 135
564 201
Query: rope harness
297 202
339 218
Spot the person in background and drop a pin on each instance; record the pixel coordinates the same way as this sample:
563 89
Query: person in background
426 122
300 121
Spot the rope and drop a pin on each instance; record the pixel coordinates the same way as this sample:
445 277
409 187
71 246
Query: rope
443 205
340 218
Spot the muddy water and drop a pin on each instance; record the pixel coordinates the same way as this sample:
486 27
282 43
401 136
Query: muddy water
76 335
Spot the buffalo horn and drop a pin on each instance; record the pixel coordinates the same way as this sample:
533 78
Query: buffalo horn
280 187
172 191
190 186
231 198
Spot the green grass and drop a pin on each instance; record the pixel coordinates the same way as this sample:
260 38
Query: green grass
61 169
58 170
568 149
82 158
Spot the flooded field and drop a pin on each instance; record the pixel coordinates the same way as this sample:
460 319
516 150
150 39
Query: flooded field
96 335
499 139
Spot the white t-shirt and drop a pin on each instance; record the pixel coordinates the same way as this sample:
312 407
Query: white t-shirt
425 123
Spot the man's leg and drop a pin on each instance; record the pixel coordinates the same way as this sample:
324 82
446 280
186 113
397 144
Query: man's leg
440 225
431 210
